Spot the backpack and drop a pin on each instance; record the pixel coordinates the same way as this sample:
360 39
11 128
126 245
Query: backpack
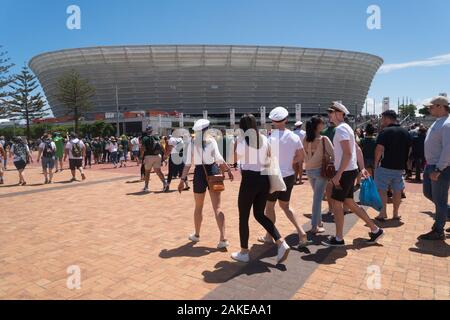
152 145
76 150
88 147
48 150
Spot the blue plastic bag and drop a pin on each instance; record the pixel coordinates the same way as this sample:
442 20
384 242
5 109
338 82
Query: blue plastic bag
369 196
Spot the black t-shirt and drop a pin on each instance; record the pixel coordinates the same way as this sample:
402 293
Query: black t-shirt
396 141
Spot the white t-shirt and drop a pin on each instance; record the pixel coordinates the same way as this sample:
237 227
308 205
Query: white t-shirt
174 142
344 133
135 144
301 134
69 147
284 144
209 155
113 147
43 144
250 158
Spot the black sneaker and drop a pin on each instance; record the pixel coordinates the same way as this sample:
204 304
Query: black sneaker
374 237
432 235
332 242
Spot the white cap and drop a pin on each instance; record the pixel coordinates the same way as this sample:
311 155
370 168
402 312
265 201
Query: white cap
278 114
201 124
337 106
298 123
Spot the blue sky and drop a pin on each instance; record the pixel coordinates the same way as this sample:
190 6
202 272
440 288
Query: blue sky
413 40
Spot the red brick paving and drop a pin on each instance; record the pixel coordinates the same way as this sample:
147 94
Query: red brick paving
134 246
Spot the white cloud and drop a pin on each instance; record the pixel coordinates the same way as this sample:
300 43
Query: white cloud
430 62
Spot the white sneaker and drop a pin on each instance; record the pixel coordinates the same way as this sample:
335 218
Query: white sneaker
223 244
240 257
194 238
283 252
145 189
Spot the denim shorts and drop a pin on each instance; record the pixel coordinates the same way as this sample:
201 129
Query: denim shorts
388 177
48 163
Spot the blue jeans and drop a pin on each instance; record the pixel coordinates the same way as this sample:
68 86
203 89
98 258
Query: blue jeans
437 192
113 158
319 185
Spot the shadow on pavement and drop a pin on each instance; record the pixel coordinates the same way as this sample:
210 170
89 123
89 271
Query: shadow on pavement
187 250
387 224
435 248
139 193
327 218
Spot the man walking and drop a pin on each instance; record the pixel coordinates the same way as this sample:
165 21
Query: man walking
391 156
58 140
47 149
151 155
287 147
436 178
76 152
346 164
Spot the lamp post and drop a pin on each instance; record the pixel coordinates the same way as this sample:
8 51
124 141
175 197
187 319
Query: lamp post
117 110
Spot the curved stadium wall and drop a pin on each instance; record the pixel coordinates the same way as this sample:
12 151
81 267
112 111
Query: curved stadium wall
193 78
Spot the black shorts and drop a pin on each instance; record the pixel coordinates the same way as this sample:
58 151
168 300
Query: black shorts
20 165
347 184
200 183
75 163
283 195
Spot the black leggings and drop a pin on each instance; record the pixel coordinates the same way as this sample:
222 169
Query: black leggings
254 191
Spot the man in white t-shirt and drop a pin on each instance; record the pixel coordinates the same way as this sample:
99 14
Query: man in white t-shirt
288 149
135 148
76 152
299 166
347 156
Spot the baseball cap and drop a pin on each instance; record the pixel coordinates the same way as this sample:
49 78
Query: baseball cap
337 106
278 114
439 100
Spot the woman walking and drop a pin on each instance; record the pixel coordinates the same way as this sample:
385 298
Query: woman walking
113 150
204 153
317 148
21 154
252 152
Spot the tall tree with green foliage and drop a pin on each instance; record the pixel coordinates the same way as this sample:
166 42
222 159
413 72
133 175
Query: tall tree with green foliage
75 93
26 103
407 110
5 79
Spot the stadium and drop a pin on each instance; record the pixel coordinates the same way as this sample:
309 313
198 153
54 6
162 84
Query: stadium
216 78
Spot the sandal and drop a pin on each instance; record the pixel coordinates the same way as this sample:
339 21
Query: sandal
318 230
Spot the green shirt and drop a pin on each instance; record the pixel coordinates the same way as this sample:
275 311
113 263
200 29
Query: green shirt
59 143
329 132
147 141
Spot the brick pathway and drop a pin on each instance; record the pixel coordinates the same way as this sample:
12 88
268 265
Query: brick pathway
130 245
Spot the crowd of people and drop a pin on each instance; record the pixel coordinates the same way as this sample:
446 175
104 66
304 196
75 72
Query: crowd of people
333 156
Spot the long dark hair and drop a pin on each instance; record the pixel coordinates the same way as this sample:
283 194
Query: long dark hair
311 127
248 122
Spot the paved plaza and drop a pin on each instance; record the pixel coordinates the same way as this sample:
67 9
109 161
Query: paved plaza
131 245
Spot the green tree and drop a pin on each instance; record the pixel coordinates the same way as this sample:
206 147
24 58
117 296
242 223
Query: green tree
424 111
75 93
407 110
25 103
5 80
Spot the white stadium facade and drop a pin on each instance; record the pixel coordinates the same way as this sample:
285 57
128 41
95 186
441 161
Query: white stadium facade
216 78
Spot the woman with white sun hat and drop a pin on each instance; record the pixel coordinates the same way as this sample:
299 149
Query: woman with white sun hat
203 152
